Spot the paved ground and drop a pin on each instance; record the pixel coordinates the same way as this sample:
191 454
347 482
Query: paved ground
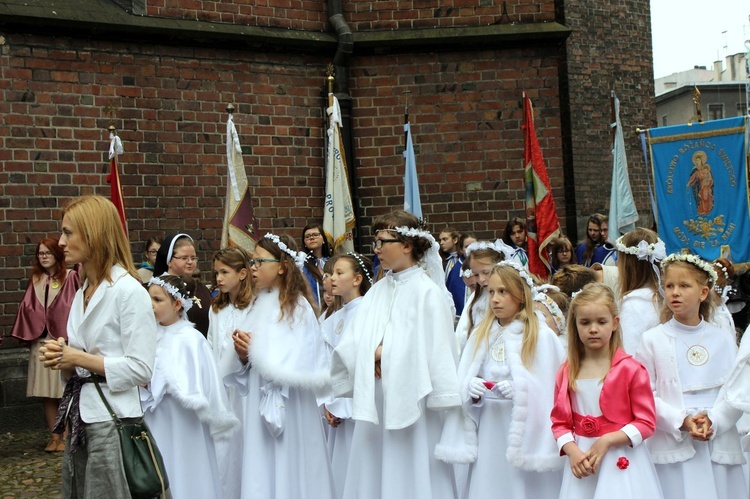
26 471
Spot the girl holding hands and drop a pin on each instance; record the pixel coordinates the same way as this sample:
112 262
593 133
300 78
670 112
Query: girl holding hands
283 367
696 447
604 407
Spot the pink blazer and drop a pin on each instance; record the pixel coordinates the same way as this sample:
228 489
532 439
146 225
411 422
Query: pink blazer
626 397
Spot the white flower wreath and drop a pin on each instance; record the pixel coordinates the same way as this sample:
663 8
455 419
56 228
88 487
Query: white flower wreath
431 261
542 297
498 247
521 271
187 301
299 257
695 260
643 250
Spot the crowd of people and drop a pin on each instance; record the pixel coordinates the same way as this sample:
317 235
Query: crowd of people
441 368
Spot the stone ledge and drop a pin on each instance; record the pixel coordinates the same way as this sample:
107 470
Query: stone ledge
106 20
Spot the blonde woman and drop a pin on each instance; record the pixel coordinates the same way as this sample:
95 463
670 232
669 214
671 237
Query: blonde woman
112 338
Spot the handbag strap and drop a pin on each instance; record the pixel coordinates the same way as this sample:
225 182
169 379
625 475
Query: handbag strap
104 399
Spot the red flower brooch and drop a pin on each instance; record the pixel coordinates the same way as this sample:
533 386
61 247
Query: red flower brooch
589 426
623 463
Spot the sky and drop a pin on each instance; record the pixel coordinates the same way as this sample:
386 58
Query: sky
688 33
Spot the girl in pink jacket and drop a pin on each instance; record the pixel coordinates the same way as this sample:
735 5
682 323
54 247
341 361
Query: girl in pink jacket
603 407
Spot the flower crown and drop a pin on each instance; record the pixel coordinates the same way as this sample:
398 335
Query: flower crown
542 297
498 247
723 269
467 273
361 265
411 232
521 271
299 257
694 260
643 250
185 299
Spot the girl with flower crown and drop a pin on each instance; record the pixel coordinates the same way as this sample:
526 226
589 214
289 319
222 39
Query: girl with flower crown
396 359
351 277
284 367
604 407
696 447
638 255
506 378
185 404
482 257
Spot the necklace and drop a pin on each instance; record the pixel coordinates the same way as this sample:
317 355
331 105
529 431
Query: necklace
497 350
91 294
697 354
54 284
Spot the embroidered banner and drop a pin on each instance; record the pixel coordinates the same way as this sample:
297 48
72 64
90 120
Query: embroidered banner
700 178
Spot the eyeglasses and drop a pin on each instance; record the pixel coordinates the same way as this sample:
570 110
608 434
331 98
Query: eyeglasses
152 252
186 258
312 236
378 243
43 254
258 262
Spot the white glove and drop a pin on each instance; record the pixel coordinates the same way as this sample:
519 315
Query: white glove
504 389
477 388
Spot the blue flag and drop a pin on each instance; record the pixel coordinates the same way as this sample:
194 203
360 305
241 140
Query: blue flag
700 178
412 204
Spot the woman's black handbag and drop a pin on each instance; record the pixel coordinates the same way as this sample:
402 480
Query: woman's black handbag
144 467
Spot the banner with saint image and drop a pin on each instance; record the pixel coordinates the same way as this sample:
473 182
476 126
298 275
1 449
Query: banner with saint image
700 180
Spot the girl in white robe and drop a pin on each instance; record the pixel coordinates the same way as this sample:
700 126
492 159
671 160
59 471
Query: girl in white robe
638 255
396 360
507 376
284 368
696 447
350 279
228 314
185 405
481 255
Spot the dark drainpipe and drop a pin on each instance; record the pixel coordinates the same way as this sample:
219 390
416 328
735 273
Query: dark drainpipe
341 90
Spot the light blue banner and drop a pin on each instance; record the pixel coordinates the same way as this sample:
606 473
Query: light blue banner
700 179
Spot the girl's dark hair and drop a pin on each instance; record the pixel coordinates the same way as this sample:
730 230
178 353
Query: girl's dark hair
292 282
590 243
401 218
509 229
326 248
58 273
558 244
237 259
149 242
326 252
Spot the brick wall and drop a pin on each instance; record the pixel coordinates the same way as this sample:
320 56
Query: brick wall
364 15
289 14
609 49
464 109
466 130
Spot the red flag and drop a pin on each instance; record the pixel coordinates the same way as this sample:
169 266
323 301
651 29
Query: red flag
113 179
541 215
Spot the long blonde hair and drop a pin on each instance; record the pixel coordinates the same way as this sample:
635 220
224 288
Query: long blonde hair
592 293
519 290
95 219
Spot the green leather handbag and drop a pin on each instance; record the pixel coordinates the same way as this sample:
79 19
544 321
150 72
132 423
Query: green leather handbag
142 461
